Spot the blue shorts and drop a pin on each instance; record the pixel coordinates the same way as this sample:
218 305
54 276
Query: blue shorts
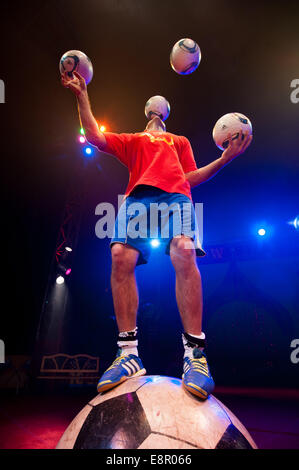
150 213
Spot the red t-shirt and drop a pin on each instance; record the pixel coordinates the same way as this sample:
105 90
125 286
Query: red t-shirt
153 158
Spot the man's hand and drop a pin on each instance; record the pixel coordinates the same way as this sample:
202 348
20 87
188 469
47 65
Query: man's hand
236 147
76 84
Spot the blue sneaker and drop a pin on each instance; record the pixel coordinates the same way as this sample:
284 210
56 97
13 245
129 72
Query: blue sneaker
124 367
197 378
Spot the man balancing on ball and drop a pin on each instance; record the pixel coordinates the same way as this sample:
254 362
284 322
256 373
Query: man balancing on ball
162 169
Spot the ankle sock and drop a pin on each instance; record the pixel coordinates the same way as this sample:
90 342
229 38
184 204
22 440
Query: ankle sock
127 341
193 341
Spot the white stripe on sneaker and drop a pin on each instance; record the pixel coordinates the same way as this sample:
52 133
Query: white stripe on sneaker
132 367
127 368
134 363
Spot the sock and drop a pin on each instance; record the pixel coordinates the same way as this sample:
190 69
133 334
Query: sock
127 342
193 341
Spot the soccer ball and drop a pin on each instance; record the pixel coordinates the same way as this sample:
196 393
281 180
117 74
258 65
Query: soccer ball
157 105
154 412
185 56
230 123
77 61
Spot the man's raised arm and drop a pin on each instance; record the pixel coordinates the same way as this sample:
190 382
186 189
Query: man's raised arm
78 86
235 148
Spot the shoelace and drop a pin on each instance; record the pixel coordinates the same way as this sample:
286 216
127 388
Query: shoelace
116 362
200 365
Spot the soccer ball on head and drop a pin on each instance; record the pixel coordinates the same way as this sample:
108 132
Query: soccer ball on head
231 123
154 412
157 106
185 56
77 61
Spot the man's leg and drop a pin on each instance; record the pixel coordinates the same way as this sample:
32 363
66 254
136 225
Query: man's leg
196 378
124 286
188 284
125 299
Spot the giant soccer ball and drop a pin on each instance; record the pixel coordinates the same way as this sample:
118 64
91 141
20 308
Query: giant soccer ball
230 123
154 412
76 61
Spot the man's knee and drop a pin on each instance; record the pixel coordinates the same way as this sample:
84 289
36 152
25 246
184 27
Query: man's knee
124 258
182 252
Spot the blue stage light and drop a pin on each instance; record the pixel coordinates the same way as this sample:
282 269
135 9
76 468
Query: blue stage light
295 222
261 232
88 151
155 243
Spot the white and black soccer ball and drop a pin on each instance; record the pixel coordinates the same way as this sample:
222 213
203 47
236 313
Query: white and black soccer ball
157 106
185 56
74 60
154 412
230 123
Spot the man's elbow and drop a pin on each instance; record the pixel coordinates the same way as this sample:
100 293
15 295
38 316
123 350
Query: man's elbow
193 183
190 178
96 139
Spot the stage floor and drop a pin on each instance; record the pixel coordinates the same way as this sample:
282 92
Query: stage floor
37 421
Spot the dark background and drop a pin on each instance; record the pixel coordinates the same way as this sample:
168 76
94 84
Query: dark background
250 54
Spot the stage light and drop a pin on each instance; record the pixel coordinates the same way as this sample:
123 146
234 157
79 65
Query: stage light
155 243
60 280
88 151
64 269
295 222
261 232
65 262
82 139
82 131
101 127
